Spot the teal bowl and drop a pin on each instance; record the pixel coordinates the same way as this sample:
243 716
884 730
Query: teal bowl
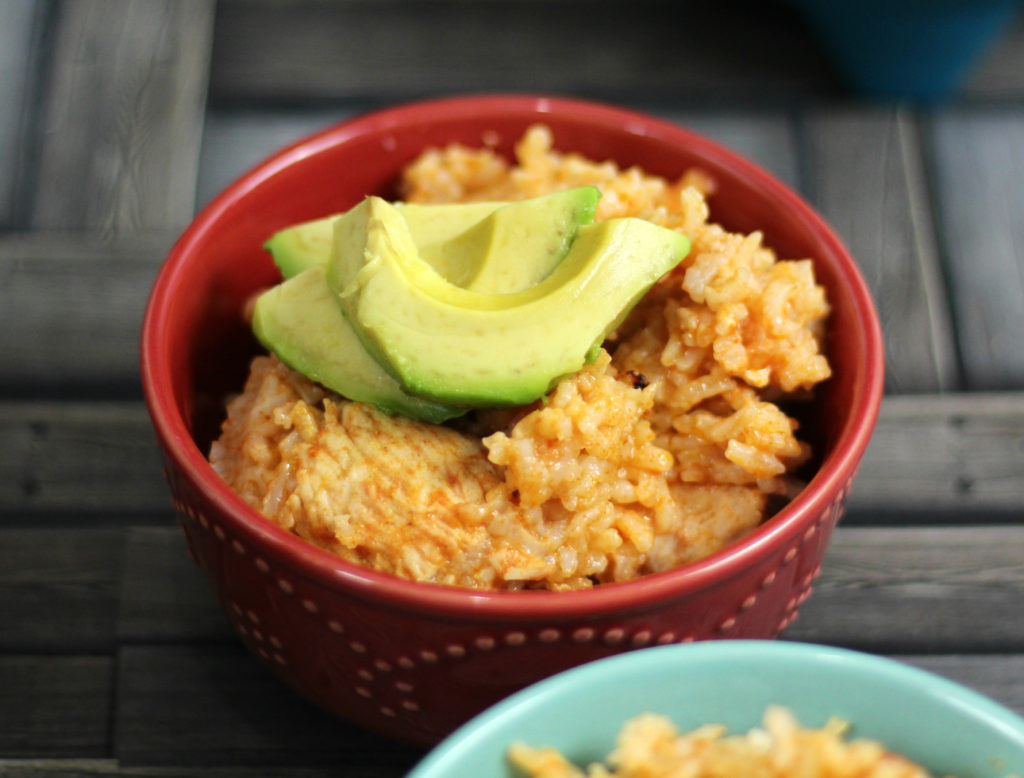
939 724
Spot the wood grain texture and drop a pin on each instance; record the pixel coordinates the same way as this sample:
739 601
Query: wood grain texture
954 457
215 705
866 175
979 164
388 50
164 596
235 139
58 705
765 136
103 768
71 308
88 459
59 589
999 676
944 457
123 115
915 588
21 27
954 590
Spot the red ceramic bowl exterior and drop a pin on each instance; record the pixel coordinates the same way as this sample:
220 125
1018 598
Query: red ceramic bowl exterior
413 661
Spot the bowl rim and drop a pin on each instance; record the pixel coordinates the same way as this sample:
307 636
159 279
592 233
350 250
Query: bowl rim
532 606
667 660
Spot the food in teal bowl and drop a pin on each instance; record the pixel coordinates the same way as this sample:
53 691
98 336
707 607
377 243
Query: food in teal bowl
946 728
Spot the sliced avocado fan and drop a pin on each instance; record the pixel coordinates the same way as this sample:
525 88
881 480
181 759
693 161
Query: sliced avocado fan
491 247
431 310
463 347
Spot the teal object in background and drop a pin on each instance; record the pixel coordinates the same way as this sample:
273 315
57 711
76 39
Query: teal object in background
918 50
946 727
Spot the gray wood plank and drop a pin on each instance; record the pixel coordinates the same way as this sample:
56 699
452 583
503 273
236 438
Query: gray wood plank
765 136
979 164
71 307
164 596
866 175
998 676
59 589
944 457
97 459
957 457
20 52
55 705
891 588
100 768
123 115
953 590
235 139
215 705
387 50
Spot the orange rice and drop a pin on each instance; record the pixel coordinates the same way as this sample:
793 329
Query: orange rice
650 746
664 450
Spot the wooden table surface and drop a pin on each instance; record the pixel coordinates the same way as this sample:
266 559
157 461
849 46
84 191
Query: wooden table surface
119 119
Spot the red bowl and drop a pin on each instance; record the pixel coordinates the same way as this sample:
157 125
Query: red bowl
412 660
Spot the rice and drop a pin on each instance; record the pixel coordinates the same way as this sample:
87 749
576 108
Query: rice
668 447
650 746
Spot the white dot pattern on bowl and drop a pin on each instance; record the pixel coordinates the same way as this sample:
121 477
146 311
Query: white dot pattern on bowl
247 623
583 635
614 636
805 585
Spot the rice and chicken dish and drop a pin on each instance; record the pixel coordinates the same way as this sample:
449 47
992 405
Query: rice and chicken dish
666 448
650 746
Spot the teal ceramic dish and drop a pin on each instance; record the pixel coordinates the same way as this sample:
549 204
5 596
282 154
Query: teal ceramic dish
935 722
917 50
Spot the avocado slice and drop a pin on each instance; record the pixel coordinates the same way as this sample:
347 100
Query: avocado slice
489 247
463 347
309 243
514 247
301 246
300 321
